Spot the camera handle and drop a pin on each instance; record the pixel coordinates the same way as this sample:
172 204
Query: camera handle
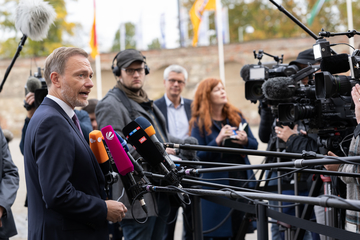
261 54
349 33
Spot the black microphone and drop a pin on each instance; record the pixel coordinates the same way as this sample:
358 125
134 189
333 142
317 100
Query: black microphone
335 64
124 166
279 88
150 131
138 169
33 19
141 134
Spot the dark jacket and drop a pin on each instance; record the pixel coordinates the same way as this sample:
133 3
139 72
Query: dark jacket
161 104
63 179
9 184
212 213
112 111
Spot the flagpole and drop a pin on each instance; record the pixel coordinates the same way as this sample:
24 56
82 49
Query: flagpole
350 24
98 77
220 41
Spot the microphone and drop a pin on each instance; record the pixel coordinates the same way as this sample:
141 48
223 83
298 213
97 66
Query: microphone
33 19
98 148
152 150
335 64
150 131
124 166
33 84
102 157
279 88
138 169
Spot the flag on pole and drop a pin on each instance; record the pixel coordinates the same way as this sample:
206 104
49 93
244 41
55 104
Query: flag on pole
93 38
196 13
315 11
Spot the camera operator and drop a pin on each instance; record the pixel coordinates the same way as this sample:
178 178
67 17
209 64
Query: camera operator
352 184
294 140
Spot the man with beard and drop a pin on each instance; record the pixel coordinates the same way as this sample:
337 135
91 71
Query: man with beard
121 105
64 181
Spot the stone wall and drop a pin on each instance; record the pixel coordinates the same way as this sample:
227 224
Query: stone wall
200 62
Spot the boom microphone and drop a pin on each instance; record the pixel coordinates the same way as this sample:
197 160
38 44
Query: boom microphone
124 166
33 19
279 88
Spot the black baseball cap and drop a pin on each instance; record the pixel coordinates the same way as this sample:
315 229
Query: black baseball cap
127 57
305 57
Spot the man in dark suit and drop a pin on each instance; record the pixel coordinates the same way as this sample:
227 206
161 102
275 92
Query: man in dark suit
9 184
176 109
64 181
177 112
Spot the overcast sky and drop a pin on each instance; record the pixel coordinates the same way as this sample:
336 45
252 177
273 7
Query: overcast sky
111 13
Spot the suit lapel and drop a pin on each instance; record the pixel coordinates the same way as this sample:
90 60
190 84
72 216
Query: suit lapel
81 137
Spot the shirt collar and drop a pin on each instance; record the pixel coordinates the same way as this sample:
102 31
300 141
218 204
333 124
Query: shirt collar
170 103
67 109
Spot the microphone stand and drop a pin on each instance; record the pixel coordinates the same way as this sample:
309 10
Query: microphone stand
304 155
21 44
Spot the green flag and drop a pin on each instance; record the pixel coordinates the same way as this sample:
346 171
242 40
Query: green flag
315 11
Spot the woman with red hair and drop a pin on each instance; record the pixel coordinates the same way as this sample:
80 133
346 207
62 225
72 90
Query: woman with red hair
215 122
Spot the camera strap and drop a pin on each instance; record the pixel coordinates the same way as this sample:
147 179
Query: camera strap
304 73
125 100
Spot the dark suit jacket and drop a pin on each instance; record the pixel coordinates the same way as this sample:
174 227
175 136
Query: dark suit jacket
64 181
9 184
161 104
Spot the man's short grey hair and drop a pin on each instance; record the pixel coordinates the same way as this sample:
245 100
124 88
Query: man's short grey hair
56 61
177 69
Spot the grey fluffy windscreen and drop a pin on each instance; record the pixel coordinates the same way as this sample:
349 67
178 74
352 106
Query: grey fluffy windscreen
33 18
279 88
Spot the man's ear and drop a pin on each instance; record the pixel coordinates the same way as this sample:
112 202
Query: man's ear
55 79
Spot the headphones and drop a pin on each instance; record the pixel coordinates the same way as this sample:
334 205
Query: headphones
117 71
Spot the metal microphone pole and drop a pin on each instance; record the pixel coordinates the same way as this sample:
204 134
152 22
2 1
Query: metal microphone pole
21 44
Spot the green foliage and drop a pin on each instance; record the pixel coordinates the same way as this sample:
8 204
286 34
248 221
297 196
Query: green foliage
268 22
129 38
155 44
55 37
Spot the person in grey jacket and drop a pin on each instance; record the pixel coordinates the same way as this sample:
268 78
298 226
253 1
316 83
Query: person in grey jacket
9 184
130 70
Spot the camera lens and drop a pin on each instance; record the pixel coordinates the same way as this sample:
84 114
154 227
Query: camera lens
253 90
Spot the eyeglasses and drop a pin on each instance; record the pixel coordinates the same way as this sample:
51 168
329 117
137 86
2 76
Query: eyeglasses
131 71
180 82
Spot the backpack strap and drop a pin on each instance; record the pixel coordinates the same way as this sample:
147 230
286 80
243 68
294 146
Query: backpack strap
125 100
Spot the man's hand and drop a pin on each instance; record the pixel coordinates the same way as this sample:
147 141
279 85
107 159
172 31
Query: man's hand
355 94
30 99
284 132
116 211
332 167
170 151
2 210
